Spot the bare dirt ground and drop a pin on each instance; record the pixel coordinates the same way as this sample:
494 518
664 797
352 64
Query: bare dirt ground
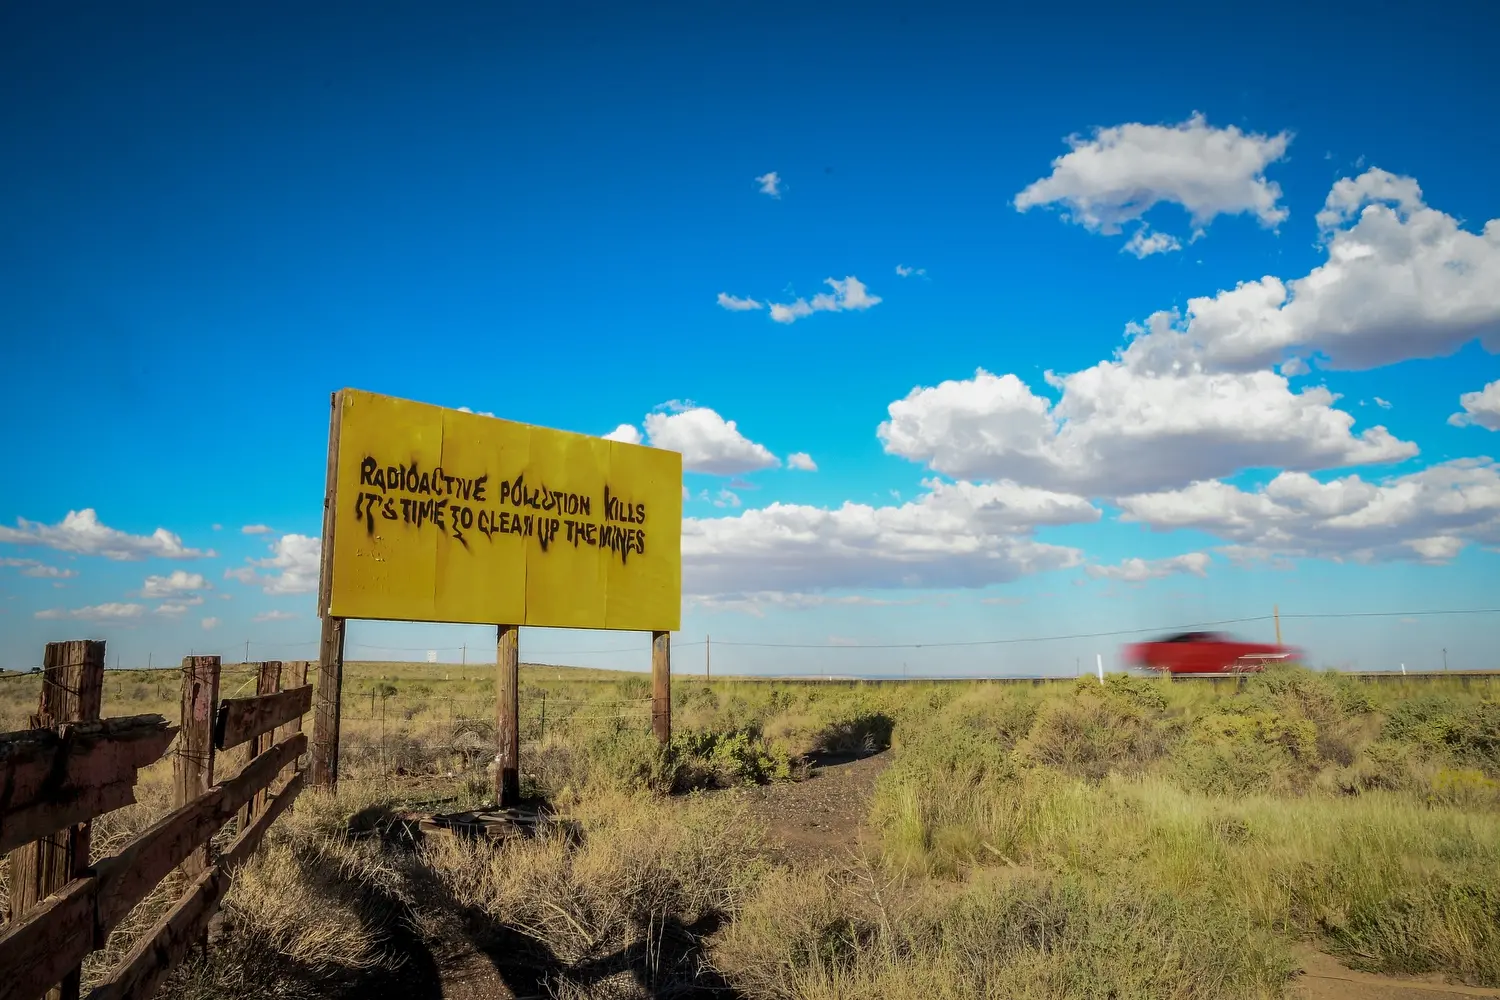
821 818
1324 978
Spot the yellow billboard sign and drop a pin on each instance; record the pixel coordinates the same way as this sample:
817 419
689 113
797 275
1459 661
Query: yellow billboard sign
446 516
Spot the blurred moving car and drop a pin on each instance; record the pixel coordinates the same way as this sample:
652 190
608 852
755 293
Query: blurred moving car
1205 653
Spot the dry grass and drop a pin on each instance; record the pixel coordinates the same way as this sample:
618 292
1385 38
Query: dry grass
1136 839
641 886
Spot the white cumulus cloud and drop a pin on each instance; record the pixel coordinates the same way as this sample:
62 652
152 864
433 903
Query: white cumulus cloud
628 433
1137 570
177 582
848 294
801 460
1119 174
1401 281
94 613
33 568
1118 430
82 532
294 562
959 534
177 607
1429 515
274 616
259 529
209 624
907 272
707 441
1481 409
757 604
1144 243
736 304
770 183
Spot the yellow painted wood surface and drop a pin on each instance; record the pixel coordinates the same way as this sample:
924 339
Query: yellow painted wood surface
447 516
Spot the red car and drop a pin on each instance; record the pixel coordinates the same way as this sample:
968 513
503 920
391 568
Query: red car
1205 653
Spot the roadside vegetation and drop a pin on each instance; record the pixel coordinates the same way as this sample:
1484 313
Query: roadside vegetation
1133 839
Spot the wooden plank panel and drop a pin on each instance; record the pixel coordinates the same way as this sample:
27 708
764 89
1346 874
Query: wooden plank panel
295 677
50 779
126 878
267 682
52 938
49 938
169 941
141 972
243 719
238 852
77 805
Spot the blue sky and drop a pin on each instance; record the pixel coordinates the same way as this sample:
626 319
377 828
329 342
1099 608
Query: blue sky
214 218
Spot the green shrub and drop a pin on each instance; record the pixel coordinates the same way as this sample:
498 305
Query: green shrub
1229 753
633 688
710 759
1093 734
1468 734
864 733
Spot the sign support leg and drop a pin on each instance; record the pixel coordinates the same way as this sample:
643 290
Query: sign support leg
508 716
325 747
661 686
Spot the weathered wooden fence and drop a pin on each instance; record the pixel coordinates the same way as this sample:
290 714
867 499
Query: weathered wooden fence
72 766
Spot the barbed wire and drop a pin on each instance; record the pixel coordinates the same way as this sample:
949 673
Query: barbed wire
835 646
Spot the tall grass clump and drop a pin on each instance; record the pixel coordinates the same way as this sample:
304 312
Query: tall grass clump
1300 805
640 873
1013 933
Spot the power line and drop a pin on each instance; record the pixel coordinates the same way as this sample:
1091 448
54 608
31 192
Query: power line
1098 635
949 644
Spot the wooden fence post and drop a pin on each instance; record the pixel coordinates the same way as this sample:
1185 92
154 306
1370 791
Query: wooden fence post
508 715
296 676
267 681
193 768
72 689
661 686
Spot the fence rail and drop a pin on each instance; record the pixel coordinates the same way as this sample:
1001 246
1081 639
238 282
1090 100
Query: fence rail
72 766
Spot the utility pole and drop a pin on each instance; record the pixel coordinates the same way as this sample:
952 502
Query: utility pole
465 656
708 658
1276 614
1445 659
148 660
247 651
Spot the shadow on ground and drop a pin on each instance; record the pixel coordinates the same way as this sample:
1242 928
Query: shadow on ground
457 950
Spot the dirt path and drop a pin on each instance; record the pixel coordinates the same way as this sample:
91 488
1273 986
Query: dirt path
821 817
1324 978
